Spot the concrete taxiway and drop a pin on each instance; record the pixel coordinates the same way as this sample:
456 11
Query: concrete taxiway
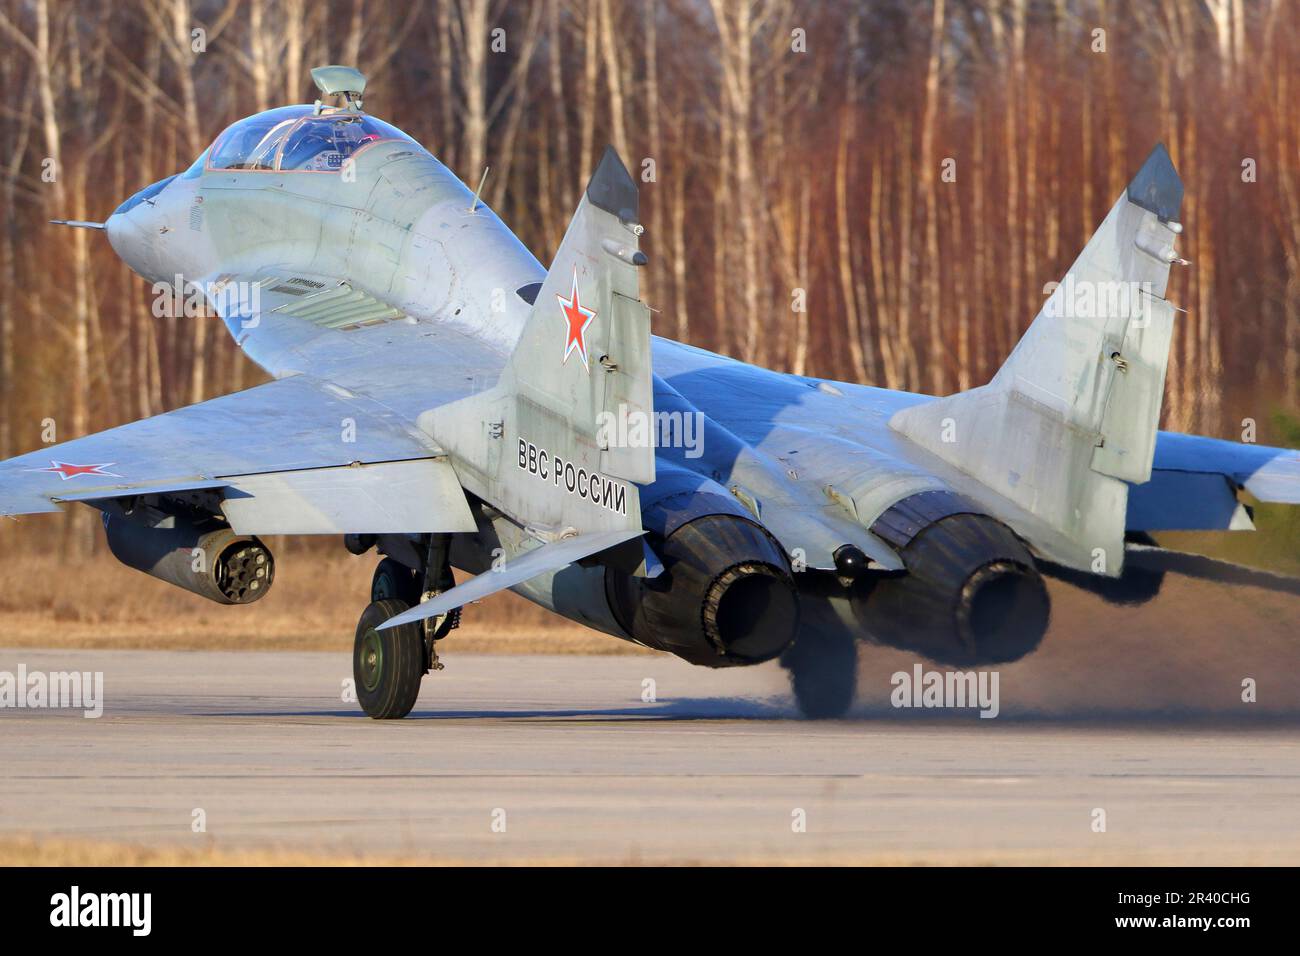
545 758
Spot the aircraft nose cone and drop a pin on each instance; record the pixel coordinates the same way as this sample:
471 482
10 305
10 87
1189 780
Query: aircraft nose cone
123 235
132 243
117 228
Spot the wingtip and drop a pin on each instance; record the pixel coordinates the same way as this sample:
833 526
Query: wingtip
612 187
1157 186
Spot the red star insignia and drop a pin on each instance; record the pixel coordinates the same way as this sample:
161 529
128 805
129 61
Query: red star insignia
577 319
66 471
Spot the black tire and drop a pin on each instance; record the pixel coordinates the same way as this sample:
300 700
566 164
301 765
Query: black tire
395 581
387 666
823 673
1133 587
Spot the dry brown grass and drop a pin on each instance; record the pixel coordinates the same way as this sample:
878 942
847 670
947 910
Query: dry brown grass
32 851
1194 643
26 851
98 603
1195 635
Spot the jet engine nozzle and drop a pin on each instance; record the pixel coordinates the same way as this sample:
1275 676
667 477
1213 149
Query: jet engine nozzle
725 597
971 595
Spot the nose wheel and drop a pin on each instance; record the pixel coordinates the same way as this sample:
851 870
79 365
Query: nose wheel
388 665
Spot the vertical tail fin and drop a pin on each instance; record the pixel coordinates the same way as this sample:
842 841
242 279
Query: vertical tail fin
1072 414
585 349
539 445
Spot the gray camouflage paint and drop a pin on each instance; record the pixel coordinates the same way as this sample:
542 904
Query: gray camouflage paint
390 299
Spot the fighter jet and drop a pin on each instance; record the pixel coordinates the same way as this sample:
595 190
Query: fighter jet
441 400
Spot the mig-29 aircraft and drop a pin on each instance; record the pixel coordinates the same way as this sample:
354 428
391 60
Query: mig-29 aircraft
440 398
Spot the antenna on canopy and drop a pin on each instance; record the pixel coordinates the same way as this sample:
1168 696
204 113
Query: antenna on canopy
344 81
479 192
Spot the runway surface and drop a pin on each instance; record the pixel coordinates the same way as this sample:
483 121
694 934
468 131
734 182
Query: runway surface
564 751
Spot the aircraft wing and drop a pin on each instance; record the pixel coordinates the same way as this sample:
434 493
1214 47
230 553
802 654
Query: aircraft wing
295 456
330 447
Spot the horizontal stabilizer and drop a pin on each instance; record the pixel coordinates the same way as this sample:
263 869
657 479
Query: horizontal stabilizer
548 557
1270 474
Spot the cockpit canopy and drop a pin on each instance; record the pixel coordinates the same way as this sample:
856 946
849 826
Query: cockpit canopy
298 139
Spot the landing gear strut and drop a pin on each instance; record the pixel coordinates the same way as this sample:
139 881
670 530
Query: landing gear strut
389 665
